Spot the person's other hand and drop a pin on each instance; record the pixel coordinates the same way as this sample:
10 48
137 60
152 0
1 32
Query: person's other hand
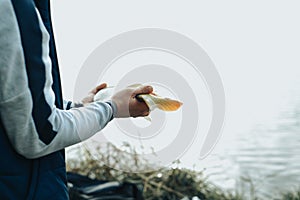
127 103
92 93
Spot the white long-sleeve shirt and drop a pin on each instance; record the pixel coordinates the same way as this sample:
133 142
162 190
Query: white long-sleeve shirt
24 130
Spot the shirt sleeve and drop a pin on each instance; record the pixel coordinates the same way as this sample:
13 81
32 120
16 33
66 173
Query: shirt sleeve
16 99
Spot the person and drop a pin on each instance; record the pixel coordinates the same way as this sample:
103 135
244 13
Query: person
35 123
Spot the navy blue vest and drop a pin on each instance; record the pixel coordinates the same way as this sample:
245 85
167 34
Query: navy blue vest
43 178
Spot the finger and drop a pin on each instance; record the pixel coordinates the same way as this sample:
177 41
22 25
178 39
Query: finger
143 114
146 113
98 88
143 107
143 90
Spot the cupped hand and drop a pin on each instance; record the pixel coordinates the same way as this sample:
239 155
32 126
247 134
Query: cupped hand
90 98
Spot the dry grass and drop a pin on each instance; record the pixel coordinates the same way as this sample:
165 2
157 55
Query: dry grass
165 183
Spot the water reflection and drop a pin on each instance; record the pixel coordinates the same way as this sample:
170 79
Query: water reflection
264 161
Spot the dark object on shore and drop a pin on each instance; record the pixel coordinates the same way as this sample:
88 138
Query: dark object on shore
83 188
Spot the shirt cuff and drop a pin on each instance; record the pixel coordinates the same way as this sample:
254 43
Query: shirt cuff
113 106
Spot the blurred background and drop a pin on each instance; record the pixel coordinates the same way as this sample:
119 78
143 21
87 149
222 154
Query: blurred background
255 46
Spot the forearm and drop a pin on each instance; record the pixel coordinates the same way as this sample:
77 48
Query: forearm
72 126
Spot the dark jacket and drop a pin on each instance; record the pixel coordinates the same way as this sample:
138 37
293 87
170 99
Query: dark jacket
45 177
34 127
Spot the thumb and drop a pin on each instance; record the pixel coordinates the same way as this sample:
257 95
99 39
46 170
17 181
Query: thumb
143 90
98 88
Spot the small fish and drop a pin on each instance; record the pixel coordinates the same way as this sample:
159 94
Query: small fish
152 100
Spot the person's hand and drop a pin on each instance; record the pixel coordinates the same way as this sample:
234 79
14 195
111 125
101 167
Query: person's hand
127 103
92 93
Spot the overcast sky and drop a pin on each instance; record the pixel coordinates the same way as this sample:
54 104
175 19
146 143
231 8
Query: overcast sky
255 45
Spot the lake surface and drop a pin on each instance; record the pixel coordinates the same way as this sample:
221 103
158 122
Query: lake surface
265 160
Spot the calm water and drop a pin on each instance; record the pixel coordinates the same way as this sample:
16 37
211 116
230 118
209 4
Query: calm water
264 160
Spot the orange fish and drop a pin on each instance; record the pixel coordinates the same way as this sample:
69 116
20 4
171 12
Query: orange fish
154 101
